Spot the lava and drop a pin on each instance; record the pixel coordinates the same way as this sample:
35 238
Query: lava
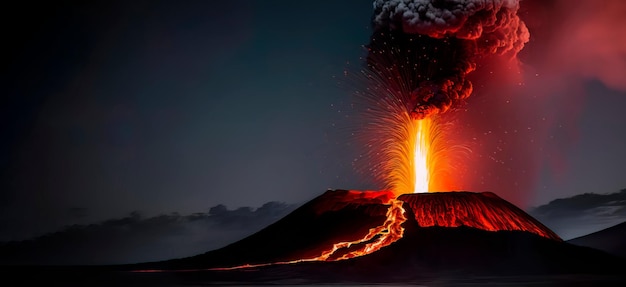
378 237
409 160
485 211
421 155
409 155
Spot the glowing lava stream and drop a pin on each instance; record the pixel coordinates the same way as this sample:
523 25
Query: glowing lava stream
378 237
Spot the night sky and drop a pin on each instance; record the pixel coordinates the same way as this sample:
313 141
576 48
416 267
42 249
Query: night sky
161 106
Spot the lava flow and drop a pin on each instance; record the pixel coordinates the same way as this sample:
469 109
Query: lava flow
378 237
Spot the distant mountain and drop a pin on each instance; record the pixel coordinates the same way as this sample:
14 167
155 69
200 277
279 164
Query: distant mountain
611 240
582 214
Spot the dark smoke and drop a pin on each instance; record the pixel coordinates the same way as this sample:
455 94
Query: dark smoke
424 50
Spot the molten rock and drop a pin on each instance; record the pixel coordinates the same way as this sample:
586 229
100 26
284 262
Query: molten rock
483 210
343 224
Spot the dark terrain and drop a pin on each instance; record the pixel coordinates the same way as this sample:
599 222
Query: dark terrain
432 256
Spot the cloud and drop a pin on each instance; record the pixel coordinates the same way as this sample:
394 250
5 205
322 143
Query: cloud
494 25
582 214
137 239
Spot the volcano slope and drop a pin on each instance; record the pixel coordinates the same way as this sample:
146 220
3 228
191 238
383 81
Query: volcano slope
443 233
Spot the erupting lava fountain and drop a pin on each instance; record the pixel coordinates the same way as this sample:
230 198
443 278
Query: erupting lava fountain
418 61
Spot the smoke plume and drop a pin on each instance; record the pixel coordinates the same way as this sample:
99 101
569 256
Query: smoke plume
424 49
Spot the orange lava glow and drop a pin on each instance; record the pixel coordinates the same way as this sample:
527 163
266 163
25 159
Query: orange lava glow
421 164
378 237
483 210
418 159
407 160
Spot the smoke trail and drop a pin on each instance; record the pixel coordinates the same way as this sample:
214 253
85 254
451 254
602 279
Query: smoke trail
425 49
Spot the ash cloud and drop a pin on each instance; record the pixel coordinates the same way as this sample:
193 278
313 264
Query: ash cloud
139 239
434 45
493 24
582 214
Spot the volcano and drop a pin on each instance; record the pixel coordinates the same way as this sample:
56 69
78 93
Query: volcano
343 234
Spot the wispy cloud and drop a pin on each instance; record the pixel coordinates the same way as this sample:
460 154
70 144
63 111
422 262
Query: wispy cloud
137 239
582 214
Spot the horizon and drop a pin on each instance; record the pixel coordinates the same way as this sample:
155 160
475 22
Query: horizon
163 110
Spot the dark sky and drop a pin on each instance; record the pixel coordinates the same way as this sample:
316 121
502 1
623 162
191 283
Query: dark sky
162 106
